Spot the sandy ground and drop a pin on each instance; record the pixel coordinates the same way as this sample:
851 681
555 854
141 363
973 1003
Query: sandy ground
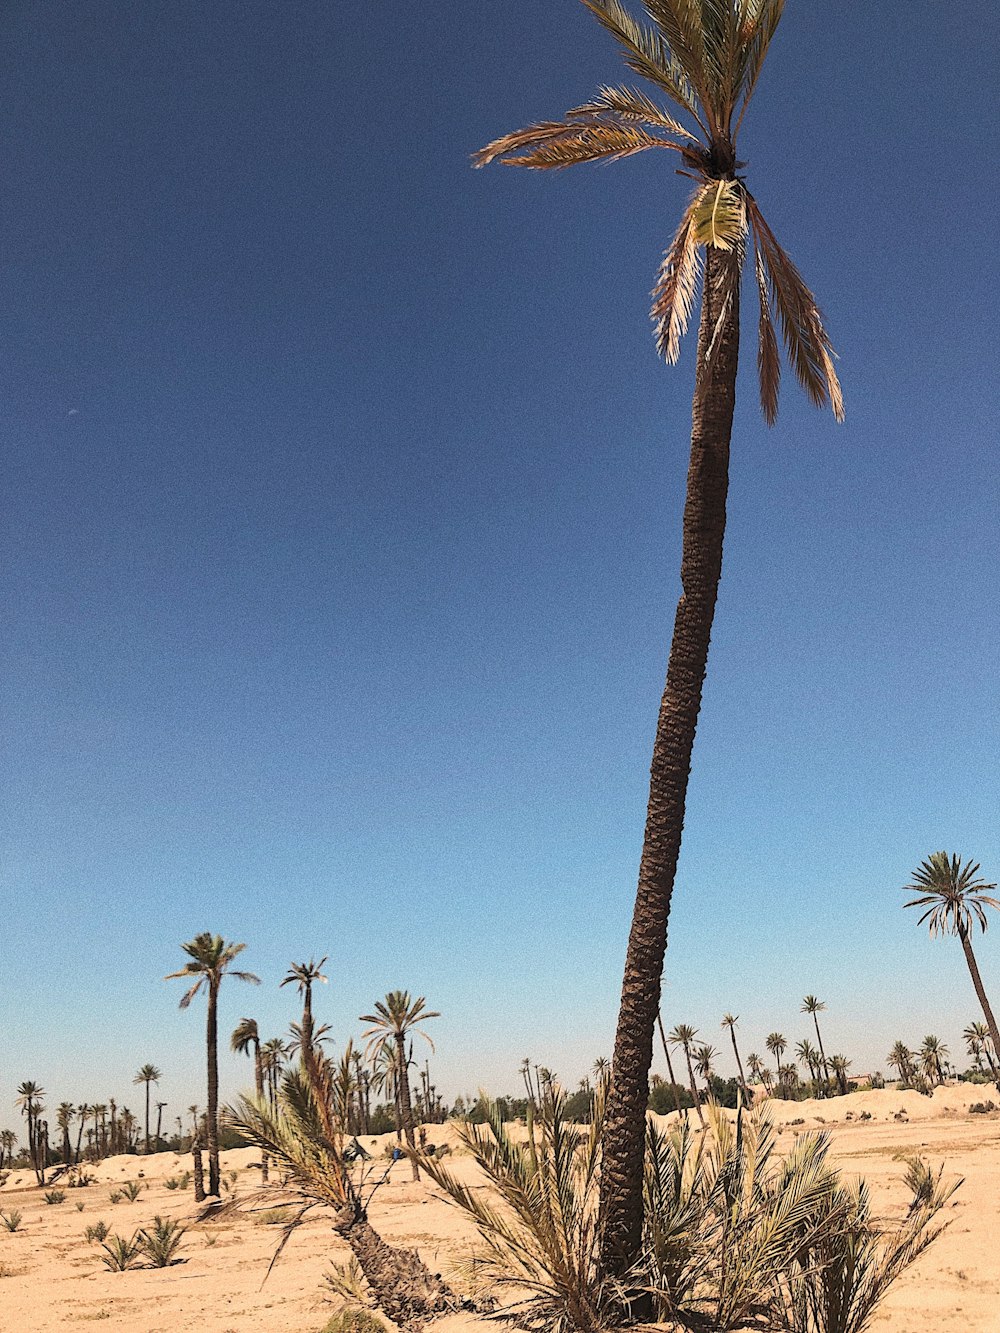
52 1278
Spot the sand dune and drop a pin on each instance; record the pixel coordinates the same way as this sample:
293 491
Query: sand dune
53 1278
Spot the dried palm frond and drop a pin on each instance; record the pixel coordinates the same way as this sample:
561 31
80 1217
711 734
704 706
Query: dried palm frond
647 54
768 356
566 144
719 217
631 104
677 287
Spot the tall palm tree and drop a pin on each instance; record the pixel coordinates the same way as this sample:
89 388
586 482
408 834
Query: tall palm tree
683 1035
64 1115
83 1114
808 1054
670 1068
273 1054
901 1059
148 1074
29 1102
758 1070
980 1034
704 1062
210 958
932 1056
304 976
390 1025
810 1005
729 1021
777 1045
840 1065
954 898
244 1041
706 59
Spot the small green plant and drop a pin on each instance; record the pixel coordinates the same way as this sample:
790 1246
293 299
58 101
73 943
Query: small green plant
981 1108
121 1253
185 1180
131 1190
273 1217
55 1196
115 1196
99 1231
11 1220
353 1319
347 1281
79 1179
80 1205
160 1242
171 1182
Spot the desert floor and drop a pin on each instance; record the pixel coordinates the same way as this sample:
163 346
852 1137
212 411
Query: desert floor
52 1278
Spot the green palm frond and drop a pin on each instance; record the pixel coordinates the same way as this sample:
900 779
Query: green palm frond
953 894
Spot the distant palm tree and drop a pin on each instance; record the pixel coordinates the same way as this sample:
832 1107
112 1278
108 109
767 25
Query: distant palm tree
304 976
840 1065
777 1045
29 1102
602 1067
675 1088
64 1114
901 1058
210 959
8 1142
758 1070
788 1077
808 1054
980 1034
932 1055
729 1021
683 1035
273 1054
83 1114
148 1074
244 1041
954 898
160 1108
704 1063
810 1005
390 1025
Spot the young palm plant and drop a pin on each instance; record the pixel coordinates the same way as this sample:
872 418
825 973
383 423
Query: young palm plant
304 1136
706 60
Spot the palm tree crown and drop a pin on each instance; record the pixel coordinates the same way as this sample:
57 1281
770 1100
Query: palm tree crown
706 59
951 894
210 959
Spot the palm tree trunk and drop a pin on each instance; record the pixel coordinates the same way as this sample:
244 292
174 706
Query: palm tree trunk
159 1126
739 1066
258 1081
147 1117
822 1053
694 1088
406 1111
670 1068
212 1129
977 981
405 1289
701 569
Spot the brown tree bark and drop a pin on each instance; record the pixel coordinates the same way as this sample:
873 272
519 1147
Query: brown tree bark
405 1109
701 568
822 1056
212 1129
977 981
199 1173
258 1079
401 1283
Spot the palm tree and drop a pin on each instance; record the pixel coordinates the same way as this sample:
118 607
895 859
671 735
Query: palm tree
901 1059
8 1141
304 976
29 1102
808 1054
160 1108
83 1114
788 1077
393 1020
148 1074
932 1054
670 1068
840 1065
706 59
954 898
210 958
246 1039
758 1070
979 1034
64 1114
776 1044
683 1035
729 1021
810 1005
273 1054
704 1063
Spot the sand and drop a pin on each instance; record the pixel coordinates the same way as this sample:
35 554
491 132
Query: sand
51 1278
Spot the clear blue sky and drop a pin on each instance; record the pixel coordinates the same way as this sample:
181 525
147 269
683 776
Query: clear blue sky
342 491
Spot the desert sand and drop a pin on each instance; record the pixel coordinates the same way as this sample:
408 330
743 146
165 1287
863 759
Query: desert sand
51 1278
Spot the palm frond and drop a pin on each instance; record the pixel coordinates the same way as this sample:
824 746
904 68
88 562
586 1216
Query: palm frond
647 54
719 216
676 287
760 27
680 23
566 144
806 341
631 104
768 357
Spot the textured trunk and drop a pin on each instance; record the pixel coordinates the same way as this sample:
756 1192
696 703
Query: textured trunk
401 1283
147 1117
977 981
405 1110
739 1066
212 1128
822 1053
199 1173
701 568
258 1079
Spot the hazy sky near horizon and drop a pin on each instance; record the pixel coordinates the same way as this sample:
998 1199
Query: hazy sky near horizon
342 494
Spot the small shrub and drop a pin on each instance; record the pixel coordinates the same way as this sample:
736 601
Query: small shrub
211 1238
4 1177
99 1231
115 1196
347 1281
79 1179
172 1182
981 1108
865 1115
55 1196
121 1254
273 1217
161 1241
80 1205
131 1190
353 1319
11 1220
